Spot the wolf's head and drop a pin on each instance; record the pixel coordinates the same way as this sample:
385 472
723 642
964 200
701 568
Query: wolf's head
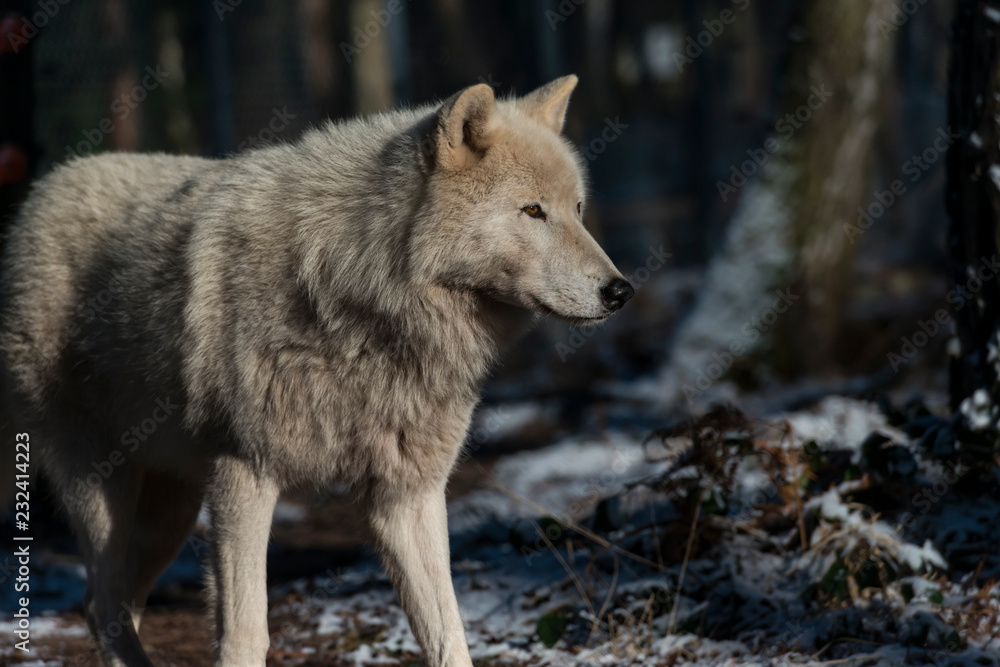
506 195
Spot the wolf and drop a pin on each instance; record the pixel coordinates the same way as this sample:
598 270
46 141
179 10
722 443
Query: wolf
178 331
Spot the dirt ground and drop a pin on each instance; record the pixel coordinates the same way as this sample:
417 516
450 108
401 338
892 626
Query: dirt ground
173 635
176 628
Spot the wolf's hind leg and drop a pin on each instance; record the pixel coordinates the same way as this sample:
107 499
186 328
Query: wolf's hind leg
411 529
242 506
165 515
103 518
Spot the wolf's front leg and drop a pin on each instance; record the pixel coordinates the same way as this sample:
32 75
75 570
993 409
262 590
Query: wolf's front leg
411 529
242 506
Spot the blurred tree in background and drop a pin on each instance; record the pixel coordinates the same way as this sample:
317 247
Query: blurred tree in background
786 254
698 122
974 210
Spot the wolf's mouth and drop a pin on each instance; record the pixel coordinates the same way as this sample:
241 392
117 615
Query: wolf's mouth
583 321
541 307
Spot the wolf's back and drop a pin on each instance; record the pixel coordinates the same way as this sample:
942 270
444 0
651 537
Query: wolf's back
68 225
66 228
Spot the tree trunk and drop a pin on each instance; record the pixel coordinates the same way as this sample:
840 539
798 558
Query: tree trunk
775 292
973 202
372 66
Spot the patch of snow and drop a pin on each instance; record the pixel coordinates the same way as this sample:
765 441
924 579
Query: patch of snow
738 288
839 421
289 512
751 589
954 347
832 508
330 624
919 557
204 519
364 656
978 411
566 479
47 626
994 172
503 421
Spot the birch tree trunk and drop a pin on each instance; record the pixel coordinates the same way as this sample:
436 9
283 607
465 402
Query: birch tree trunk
775 291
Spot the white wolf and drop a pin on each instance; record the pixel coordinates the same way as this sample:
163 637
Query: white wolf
325 311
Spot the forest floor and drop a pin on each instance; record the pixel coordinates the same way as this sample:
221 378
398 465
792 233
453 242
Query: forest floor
848 533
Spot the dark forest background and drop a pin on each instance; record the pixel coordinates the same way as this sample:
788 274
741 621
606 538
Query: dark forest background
805 195
674 99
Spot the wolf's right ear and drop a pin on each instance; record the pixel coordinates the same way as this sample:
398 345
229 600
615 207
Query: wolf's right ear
548 104
466 124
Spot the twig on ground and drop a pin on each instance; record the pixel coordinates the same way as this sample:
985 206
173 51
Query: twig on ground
562 561
569 523
684 564
855 640
607 601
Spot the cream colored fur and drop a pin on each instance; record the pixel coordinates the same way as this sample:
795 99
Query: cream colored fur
319 312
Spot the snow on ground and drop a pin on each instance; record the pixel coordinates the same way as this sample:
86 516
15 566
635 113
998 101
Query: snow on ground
583 553
750 596
44 625
566 479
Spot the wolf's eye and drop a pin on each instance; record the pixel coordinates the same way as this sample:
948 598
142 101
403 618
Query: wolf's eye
579 207
535 211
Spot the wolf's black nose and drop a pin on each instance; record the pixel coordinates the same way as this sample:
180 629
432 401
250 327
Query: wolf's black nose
616 293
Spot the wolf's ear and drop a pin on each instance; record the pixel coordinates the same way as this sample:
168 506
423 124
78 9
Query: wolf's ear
548 104
466 125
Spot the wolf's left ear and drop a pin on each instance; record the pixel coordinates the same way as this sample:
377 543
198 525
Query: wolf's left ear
548 104
466 124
